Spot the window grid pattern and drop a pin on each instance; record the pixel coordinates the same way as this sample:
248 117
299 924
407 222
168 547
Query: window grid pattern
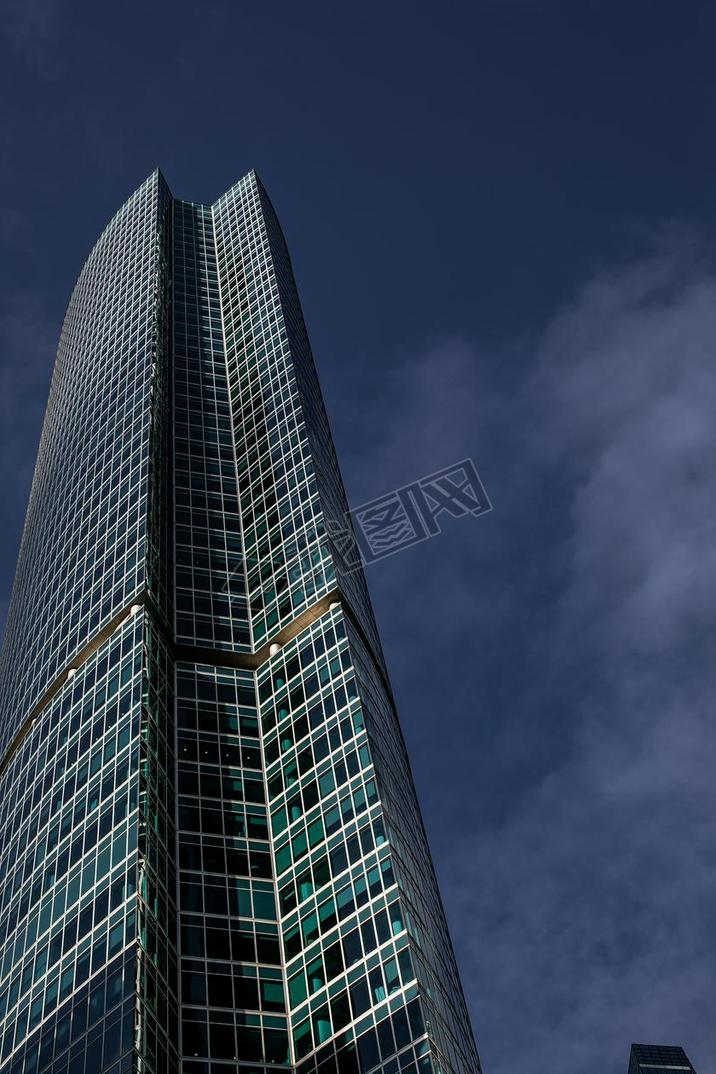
158 1004
288 563
332 496
652 1058
434 958
352 992
203 866
84 544
68 868
233 996
210 594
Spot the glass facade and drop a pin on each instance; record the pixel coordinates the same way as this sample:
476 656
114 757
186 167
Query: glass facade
211 853
659 1059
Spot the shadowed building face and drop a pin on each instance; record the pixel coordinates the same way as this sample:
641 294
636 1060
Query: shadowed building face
210 845
659 1059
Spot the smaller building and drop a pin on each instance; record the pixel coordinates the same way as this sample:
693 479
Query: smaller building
653 1058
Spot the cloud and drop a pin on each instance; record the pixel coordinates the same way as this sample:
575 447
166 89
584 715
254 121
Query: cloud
552 660
571 637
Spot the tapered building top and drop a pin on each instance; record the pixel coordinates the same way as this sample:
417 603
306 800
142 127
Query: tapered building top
211 851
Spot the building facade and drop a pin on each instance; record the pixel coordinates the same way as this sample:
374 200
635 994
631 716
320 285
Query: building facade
211 851
659 1059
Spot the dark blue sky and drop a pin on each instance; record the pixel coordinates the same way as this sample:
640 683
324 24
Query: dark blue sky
501 216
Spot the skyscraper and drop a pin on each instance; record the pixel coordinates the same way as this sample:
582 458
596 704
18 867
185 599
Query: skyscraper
210 846
659 1059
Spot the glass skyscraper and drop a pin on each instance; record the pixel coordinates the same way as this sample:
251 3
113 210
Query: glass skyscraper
211 854
659 1059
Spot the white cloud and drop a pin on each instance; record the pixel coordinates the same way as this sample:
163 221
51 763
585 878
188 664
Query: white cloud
582 905
570 670
589 906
